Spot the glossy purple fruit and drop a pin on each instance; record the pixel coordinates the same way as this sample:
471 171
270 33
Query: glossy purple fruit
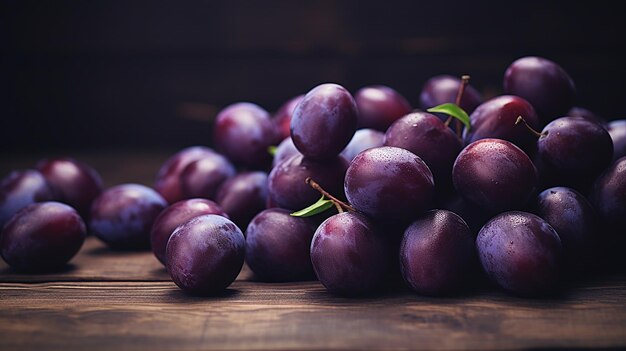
608 197
495 175
122 216
572 152
324 121
270 203
284 150
520 252
363 139
542 82
425 135
379 106
242 132
278 245
243 196
42 237
287 186
348 256
203 177
389 184
617 131
72 182
577 111
167 181
444 88
19 189
573 218
175 215
473 215
495 118
437 253
282 117
205 254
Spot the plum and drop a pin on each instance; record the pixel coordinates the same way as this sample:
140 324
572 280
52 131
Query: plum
122 216
205 254
42 236
173 216
521 253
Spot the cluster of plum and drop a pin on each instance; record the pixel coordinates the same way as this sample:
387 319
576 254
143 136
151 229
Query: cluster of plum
356 191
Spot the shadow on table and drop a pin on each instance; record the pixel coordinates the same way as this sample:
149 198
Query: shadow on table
107 250
180 296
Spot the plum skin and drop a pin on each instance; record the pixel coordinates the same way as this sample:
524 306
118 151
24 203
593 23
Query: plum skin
205 254
572 152
286 181
122 216
21 188
42 237
282 118
607 197
577 111
173 216
444 88
389 183
474 216
437 253
348 256
324 121
363 139
545 84
242 132
520 252
278 245
72 182
167 181
574 219
496 117
284 150
418 132
494 174
243 196
617 131
202 178
379 106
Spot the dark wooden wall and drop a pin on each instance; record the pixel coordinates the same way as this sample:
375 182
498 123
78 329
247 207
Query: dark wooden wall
100 74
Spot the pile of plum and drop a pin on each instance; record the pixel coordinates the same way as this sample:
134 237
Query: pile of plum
358 191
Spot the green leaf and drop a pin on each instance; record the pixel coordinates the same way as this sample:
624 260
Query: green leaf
454 111
320 206
272 150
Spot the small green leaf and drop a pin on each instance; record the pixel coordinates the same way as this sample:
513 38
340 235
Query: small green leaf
320 206
454 111
272 150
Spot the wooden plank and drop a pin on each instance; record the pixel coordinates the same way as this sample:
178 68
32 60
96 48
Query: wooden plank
257 316
96 262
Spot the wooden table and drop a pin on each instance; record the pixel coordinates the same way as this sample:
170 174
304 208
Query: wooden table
125 301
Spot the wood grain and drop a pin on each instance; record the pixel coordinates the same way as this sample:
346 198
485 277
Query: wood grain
96 262
156 315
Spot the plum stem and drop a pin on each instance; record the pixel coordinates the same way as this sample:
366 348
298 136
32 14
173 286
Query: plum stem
521 119
464 81
340 205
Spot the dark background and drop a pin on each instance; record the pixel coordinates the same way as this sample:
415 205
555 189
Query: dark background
153 74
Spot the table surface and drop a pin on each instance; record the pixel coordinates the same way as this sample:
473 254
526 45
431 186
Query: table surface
108 299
